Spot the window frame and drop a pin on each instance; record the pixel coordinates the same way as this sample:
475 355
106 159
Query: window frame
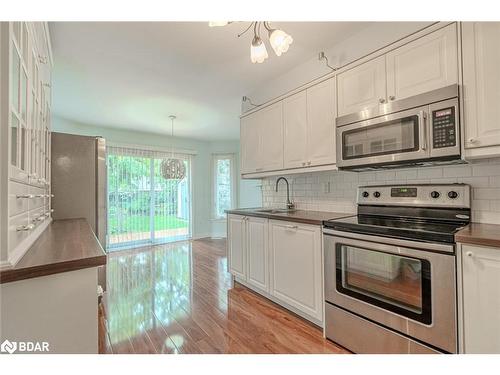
232 170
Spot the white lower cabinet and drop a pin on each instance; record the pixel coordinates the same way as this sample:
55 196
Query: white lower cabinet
257 253
295 252
236 245
480 307
279 259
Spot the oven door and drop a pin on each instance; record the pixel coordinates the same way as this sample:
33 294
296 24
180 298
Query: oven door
391 138
404 288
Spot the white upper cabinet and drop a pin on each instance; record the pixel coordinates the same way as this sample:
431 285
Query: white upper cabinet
426 64
249 142
295 130
481 86
362 87
262 140
321 113
481 299
309 126
271 138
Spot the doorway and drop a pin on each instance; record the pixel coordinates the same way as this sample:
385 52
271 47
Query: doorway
144 208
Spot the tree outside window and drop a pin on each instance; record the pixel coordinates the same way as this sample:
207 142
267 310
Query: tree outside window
223 189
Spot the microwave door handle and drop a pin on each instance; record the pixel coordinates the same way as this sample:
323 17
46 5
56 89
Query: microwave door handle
422 117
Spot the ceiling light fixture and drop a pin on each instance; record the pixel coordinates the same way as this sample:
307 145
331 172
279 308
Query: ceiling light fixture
172 168
278 39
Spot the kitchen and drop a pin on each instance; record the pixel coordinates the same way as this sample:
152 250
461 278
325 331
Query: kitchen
353 208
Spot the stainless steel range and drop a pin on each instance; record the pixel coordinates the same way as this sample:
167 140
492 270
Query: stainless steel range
390 271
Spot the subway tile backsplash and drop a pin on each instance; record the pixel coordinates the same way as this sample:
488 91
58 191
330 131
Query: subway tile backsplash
336 190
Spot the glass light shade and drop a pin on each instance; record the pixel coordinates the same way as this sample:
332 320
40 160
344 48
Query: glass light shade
258 51
173 169
280 41
217 23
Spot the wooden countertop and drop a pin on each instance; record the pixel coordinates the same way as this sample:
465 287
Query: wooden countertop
480 234
299 216
66 245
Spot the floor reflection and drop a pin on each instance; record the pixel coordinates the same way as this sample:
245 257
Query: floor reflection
177 298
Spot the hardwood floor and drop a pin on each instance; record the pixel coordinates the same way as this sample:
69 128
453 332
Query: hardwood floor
178 298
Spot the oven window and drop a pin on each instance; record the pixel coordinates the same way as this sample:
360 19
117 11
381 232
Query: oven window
390 137
394 282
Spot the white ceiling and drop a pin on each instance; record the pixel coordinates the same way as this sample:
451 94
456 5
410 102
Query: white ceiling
133 75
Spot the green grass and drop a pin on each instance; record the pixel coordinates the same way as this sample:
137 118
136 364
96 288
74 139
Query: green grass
140 223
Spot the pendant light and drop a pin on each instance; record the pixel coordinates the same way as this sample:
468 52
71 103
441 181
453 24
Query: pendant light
172 168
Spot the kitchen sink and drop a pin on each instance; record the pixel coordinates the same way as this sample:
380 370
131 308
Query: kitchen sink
276 210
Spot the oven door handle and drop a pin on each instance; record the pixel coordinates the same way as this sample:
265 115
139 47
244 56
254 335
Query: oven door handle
391 241
422 120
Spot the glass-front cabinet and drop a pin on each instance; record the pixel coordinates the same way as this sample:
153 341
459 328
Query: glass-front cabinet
25 50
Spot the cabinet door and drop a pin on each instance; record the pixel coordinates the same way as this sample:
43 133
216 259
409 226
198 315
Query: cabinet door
257 253
321 123
236 245
426 64
271 138
481 299
295 129
296 266
249 140
362 87
481 80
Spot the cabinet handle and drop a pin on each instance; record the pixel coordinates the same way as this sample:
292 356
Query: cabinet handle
469 254
40 196
291 226
28 196
308 163
392 97
51 195
258 169
42 59
381 100
303 163
39 218
23 228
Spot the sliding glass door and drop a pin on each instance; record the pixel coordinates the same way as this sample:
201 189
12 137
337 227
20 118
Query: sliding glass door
143 207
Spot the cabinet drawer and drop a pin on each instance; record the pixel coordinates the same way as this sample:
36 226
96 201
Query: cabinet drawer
17 236
18 205
39 199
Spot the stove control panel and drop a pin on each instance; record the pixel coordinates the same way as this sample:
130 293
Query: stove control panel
425 195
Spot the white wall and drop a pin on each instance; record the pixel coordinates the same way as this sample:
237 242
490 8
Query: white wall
201 164
366 41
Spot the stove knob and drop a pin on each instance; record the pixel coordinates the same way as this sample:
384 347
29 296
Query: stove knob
365 194
376 194
435 194
452 194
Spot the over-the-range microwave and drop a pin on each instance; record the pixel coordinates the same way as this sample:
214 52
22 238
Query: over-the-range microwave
420 130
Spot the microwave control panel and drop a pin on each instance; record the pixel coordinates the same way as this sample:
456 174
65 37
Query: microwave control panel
444 128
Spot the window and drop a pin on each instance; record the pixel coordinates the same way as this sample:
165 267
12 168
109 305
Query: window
224 184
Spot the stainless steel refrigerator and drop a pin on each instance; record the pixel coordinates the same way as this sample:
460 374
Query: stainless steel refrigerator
79 183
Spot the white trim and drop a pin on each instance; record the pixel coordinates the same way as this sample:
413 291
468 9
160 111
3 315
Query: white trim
151 148
281 172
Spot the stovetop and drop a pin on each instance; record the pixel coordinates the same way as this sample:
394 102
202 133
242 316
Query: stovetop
425 212
406 228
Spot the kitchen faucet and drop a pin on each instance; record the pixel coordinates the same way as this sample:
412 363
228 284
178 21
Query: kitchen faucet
289 204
